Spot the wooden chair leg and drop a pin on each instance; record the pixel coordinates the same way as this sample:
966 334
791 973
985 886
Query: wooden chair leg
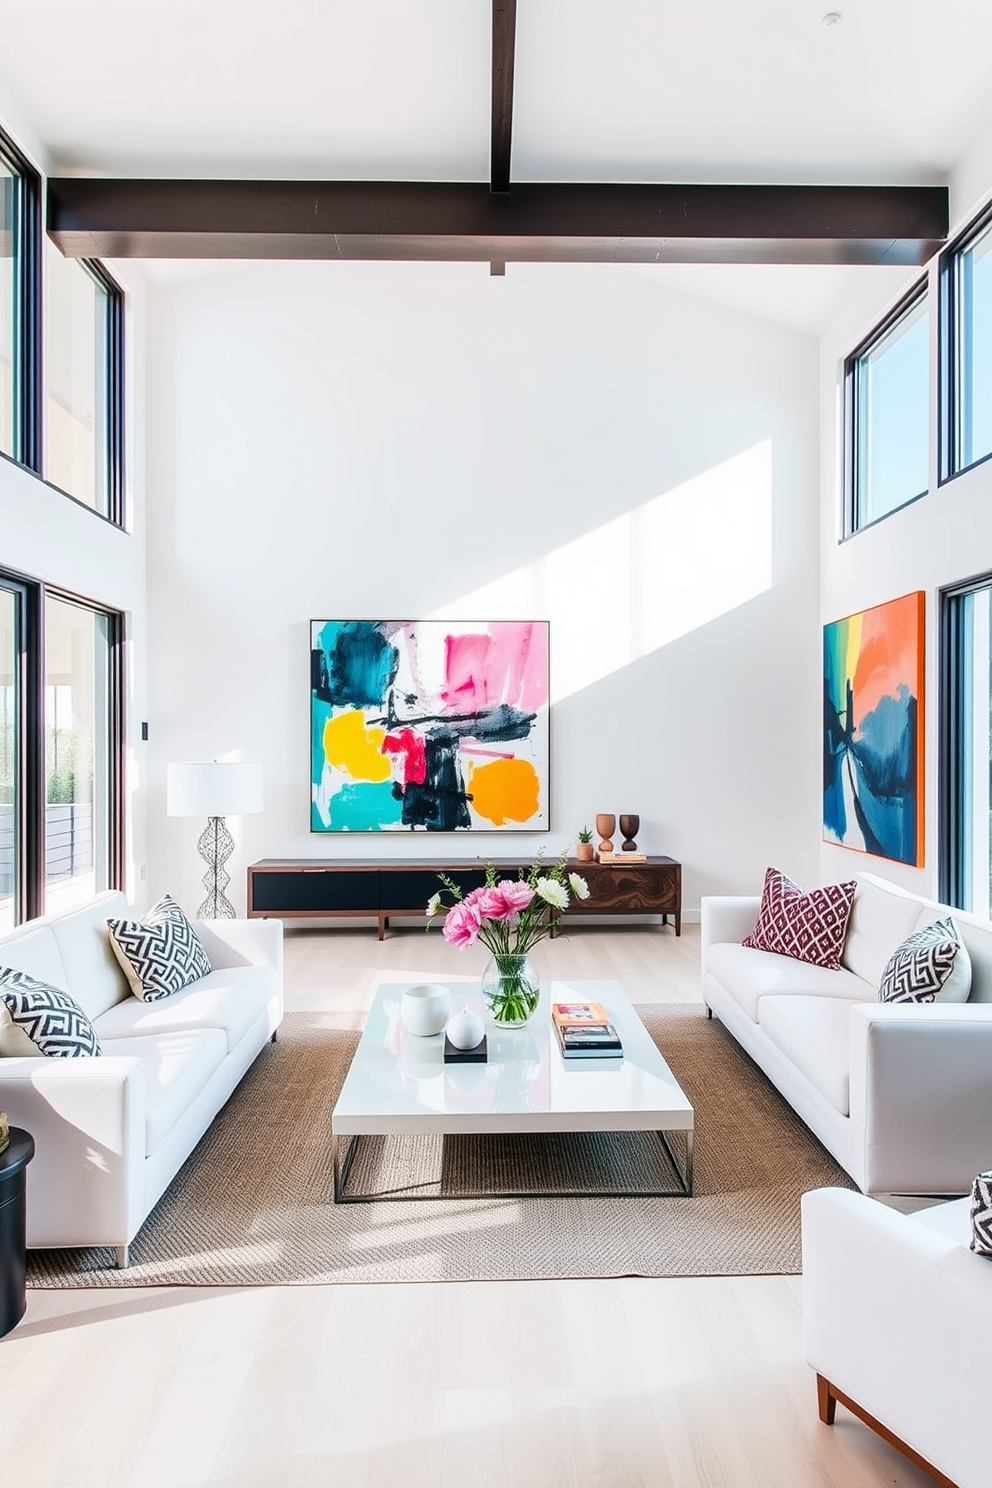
825 1400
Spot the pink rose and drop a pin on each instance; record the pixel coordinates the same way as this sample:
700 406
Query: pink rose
515 894
461 924
492 905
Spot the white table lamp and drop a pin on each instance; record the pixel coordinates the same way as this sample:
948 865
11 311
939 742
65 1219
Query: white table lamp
214 789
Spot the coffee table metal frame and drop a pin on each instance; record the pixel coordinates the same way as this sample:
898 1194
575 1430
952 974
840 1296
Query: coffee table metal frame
396 1087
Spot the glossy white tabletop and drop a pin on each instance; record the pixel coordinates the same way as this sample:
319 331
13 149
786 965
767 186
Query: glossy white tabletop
399 1083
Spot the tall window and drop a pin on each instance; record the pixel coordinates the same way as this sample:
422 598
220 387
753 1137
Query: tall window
9 773
77 751
887 401
20 195
83 438
966 337
966 745
61 750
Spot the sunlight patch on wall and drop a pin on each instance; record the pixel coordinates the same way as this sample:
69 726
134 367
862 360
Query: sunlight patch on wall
647 577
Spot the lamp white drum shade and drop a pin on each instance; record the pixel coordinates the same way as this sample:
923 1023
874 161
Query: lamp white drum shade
214 788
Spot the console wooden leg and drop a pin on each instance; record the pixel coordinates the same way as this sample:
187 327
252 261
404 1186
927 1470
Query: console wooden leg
826 1403
383 922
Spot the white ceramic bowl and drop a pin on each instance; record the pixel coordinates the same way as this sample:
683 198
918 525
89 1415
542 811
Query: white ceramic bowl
425 1009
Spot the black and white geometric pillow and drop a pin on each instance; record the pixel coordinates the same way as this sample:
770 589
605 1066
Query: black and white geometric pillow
931 965
160 955
36 1018
981 1214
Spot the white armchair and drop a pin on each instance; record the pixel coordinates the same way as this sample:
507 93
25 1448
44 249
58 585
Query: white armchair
895 1308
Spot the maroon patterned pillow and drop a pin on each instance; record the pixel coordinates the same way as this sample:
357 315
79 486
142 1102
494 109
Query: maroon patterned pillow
807 927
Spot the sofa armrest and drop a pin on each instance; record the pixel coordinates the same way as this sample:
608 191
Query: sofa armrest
726 917
889 1310
921 1093
242 942
86 1184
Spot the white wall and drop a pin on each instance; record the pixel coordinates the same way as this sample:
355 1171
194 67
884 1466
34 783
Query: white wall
398 441
942 538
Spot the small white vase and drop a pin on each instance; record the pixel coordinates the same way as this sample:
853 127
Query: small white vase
465 1029
425 1009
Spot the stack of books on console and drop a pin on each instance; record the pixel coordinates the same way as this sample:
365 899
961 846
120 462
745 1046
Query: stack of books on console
584 1031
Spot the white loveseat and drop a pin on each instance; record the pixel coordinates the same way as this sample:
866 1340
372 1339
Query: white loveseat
893 1313
900 1094
112 1130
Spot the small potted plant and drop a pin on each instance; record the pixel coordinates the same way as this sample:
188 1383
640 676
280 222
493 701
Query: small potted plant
584 851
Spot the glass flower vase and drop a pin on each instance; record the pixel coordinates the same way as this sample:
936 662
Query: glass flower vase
512 988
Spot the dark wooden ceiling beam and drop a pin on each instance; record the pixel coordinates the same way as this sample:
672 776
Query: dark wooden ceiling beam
90 217
504 48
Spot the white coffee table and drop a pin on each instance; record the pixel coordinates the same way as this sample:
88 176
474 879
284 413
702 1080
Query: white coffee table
399 1085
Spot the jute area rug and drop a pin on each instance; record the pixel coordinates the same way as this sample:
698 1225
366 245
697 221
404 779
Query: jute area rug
254 1204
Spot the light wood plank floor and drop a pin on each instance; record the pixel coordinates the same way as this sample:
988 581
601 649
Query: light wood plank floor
672 1384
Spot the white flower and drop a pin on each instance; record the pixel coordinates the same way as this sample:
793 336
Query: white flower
433 906
578 886
552 893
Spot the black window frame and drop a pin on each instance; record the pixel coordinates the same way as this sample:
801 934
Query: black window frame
953 739
30 800
114 398
853 418
952 336
27 368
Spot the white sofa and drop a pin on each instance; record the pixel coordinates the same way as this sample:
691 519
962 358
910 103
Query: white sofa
893 1313
112 1130
900 1094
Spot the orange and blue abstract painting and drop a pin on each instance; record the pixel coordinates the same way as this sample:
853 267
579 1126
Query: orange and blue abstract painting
872 730
429 725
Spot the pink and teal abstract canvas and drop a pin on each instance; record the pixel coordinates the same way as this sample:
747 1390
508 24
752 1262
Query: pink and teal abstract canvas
429 725
872 722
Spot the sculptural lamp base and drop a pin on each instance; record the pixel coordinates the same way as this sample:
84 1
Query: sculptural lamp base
215 846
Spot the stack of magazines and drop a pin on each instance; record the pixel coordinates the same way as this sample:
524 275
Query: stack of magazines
584 1031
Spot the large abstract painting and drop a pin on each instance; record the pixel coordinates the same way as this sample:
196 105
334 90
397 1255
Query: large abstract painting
872 730
428 725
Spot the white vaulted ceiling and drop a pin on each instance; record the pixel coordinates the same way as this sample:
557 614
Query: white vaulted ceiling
605 90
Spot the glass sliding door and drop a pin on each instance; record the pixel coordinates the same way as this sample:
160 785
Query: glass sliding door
77 752
9 774
966 747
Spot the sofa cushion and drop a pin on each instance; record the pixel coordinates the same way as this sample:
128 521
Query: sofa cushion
813 1033
952 1219
980 1214
749 975
881 918
160 954
93 976
807 925
33 949
931 965
230 999
36 1018
178 1065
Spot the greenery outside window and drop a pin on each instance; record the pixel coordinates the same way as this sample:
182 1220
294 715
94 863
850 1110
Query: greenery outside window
887 396
84 402
966 344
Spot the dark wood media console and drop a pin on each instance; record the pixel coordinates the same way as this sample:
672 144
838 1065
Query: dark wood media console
385 888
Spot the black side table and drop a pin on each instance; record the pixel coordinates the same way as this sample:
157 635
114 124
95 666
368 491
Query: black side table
13 1221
